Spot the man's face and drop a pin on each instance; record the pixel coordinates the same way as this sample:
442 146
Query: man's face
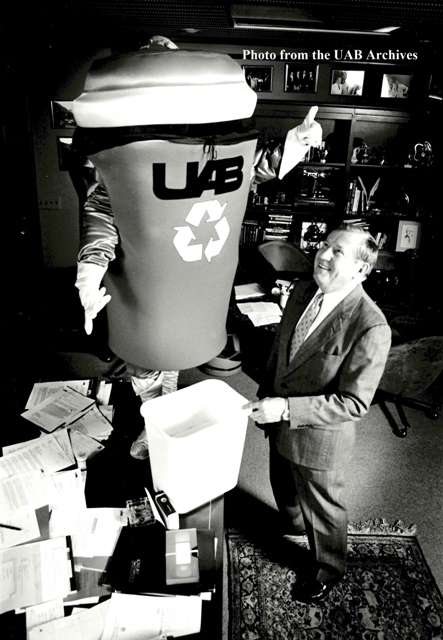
336 264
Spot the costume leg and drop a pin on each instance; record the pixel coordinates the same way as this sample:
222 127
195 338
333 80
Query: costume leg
285 490
170 382
321 498
148 384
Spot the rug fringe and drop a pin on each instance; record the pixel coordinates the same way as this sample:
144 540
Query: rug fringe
382 526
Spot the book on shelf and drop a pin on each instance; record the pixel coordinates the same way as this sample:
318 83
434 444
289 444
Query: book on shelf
250 233
351 191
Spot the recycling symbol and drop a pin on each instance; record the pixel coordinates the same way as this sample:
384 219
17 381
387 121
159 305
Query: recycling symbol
184 236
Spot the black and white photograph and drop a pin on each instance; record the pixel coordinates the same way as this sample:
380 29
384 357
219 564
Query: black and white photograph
395 86
436 86
347 82
222 380
64 153
300 78
62 116
259 78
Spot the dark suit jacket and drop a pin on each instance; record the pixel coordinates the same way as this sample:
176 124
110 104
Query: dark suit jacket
332 379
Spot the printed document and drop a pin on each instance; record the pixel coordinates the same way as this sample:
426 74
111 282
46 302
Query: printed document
42 390
261 313
58 409
34 573
85 625
44 453
139 617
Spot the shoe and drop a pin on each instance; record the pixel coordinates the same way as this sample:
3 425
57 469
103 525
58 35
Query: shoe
140 448
312 591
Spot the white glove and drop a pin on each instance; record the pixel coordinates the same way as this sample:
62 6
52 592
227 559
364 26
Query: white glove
298 140
92 296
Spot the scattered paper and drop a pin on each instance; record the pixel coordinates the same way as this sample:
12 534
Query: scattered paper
84 444
44 453
62 437
45 612
58 409
34 573
93 424
12 448
28 490
94 532
42 390
70 494
103 392
245 291
261 313
26 521
89 589
108 411
139 617
87 625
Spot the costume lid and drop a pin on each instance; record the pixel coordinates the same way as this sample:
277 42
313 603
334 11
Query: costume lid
167 87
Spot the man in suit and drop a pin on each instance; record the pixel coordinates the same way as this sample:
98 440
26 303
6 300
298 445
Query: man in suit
324 368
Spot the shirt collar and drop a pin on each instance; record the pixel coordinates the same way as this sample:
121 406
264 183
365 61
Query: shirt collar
334 297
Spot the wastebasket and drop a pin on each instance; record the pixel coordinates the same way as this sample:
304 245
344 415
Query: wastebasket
196 437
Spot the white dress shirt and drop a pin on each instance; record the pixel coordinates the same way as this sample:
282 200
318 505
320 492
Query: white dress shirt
330 301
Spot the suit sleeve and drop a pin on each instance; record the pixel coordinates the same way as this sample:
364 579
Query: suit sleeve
354 388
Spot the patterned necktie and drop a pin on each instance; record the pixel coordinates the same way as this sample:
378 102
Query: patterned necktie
302 328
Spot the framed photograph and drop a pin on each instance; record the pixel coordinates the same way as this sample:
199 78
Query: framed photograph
259 78
408 236
395 86
62 116
312 234
347 82
436 87
64 153
301 78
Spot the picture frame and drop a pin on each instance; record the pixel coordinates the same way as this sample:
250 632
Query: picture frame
64 153
347 82
435 90
301 78
259 78
408 235
312 243
62 116
395 85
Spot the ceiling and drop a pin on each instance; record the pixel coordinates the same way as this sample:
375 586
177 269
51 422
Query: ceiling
214 20
47 32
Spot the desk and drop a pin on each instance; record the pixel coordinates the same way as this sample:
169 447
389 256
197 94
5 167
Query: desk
113 476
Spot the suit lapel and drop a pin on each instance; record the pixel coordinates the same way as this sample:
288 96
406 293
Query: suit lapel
330 326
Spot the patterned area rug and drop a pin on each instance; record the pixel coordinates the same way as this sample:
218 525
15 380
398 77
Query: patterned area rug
388 592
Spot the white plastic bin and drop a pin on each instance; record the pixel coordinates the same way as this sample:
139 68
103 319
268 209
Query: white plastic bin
196 437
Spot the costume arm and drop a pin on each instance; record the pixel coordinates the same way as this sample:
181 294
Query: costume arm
357 382
99 238
276 158
99 235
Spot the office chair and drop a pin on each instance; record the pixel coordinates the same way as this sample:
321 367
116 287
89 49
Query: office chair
285 257
411 368
281 260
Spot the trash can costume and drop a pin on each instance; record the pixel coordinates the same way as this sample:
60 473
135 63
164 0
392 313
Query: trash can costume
172 161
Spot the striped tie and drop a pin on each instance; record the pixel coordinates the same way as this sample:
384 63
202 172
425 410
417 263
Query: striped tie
302 328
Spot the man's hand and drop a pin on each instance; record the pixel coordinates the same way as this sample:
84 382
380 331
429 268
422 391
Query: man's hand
266 410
